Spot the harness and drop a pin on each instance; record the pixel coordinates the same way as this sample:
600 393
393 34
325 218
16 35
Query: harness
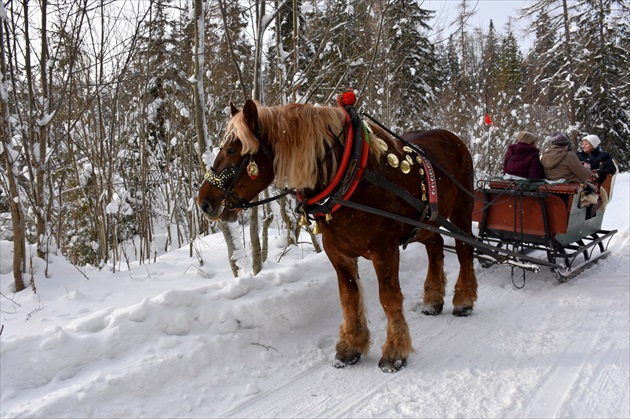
352 169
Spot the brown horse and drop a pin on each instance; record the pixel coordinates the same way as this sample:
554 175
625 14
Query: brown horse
301 147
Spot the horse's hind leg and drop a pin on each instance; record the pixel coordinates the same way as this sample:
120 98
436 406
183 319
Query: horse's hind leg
435 282
354 335
466 286
398 344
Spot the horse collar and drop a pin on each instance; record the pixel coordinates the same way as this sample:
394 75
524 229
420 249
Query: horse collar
349 172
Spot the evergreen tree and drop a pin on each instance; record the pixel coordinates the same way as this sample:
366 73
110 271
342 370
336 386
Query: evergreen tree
554 66
602 109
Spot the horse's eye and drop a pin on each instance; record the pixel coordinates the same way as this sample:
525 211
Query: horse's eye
231 151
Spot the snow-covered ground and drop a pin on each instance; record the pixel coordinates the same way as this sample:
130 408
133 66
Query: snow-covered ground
175 339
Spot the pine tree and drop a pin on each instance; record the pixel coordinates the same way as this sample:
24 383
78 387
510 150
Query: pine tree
602 110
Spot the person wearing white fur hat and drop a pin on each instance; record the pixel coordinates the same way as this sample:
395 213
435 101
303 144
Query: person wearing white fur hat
600 162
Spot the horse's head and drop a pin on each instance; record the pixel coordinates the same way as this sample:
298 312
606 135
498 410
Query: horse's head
243 168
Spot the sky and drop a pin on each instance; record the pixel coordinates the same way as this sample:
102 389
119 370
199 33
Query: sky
176 338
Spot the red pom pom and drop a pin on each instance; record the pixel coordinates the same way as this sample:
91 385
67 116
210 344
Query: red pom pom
347 98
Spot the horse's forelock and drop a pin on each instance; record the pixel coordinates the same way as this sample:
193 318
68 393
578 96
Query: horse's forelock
238 129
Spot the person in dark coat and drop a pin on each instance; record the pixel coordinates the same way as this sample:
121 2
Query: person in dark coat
523 158
600 162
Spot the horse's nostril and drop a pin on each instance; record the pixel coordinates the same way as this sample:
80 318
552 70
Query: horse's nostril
205 207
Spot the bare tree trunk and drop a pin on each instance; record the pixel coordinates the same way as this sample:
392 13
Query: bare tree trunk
572 81
289 225
40 159
19 251
231 247
200 119
255 240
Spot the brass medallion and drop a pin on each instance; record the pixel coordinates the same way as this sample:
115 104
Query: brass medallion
382 144
252 169
405 167
392 159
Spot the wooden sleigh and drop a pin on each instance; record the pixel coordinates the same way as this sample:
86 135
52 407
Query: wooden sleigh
536 218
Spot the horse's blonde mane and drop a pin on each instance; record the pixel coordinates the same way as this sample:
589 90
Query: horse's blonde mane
299 136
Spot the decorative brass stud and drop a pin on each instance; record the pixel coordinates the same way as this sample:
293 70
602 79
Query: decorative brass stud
393 161
405 167
382 144
421 171
409 159
418 159
407 149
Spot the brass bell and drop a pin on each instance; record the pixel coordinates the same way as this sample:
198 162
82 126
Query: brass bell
316 229
329 217
304 221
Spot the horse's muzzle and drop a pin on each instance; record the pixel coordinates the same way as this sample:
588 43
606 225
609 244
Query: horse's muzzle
218 212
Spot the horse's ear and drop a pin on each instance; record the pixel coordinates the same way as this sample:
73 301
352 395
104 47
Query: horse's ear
250 113
233 109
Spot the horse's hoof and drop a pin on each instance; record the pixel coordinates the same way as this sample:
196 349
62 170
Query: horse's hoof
344 361
432 310
392 365
462 311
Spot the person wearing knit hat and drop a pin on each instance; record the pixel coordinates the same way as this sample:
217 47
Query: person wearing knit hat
561 163
560 138
600 162
523 158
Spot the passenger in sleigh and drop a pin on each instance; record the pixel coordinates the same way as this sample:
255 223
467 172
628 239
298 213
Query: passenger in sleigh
561 163
522 158
596 159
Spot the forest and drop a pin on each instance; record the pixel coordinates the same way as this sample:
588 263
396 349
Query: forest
112 110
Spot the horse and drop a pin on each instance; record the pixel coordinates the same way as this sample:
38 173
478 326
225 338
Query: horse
301 147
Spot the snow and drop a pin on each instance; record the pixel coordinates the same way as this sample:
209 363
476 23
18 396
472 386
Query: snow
177 338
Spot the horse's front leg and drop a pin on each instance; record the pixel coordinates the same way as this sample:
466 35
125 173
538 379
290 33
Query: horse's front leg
354 335
398 344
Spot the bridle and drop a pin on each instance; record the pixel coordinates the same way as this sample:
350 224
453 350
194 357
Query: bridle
221 180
